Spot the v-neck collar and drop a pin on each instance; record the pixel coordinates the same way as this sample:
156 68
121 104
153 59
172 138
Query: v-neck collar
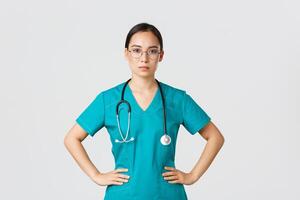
154 102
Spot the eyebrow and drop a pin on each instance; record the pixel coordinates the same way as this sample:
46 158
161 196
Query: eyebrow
135 45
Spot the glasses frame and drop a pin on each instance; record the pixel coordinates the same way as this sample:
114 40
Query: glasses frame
141 54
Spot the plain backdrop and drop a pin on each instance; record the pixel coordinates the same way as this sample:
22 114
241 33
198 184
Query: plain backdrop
239 60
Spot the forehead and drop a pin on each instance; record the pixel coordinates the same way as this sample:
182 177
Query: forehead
144 39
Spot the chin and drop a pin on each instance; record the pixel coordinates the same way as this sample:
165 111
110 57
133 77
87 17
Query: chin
148 74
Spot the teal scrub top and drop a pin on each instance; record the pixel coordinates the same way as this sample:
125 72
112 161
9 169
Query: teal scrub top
145 157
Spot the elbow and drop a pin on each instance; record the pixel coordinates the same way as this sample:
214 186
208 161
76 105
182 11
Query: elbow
70 140
221 140
218 139
66 141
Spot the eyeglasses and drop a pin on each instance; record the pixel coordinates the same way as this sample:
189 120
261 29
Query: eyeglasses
137 53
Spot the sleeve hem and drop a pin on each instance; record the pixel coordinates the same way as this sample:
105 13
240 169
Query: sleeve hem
199 126
84 126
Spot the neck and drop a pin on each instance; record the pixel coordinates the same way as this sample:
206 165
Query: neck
142 83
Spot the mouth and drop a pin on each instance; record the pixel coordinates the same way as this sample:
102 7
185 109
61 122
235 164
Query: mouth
143 67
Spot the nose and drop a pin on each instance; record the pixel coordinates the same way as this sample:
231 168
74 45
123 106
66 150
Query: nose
144 57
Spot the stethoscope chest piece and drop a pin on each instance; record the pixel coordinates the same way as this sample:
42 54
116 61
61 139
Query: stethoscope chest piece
165 139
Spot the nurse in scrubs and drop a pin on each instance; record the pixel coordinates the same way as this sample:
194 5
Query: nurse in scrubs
144 165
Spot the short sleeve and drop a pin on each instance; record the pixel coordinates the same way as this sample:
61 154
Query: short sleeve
92 117
194 118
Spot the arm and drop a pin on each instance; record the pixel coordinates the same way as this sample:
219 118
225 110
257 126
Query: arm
215 141
72 142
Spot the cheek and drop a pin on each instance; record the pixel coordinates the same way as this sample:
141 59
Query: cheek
132 64
154 65
154 68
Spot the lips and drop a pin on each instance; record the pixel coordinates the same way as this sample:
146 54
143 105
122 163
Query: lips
143 67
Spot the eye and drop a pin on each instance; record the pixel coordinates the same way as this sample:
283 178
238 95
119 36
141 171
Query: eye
136 50
153 51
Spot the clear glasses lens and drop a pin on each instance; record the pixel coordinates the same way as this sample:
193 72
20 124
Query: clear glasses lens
137 53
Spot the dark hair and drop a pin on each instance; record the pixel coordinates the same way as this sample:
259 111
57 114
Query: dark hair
144 27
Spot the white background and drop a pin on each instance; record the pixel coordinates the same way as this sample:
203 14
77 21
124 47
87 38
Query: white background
238 59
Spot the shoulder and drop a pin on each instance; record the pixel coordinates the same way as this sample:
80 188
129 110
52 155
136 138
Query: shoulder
115 89
174 96
173 91
111 95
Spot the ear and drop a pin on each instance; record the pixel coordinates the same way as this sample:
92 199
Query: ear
161 55
126 53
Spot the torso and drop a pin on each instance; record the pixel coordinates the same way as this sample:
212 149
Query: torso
145 157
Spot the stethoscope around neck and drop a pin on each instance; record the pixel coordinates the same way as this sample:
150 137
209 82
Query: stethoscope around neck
165 139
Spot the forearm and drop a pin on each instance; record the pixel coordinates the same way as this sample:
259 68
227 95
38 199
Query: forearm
210 151
81 157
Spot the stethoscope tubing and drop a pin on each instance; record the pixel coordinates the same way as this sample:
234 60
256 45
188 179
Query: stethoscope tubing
129 112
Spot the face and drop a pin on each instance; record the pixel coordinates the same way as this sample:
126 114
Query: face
146 65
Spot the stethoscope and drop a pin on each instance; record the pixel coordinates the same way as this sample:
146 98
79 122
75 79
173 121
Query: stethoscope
165 139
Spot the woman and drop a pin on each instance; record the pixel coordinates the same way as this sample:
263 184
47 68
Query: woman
144 133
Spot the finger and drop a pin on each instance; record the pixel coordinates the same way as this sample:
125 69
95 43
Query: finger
171 178
121 180
176 181
169 173
120 170
118 175
123 176
170 168
116 183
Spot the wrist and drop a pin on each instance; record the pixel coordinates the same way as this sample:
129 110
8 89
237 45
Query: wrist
194 176
94 175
